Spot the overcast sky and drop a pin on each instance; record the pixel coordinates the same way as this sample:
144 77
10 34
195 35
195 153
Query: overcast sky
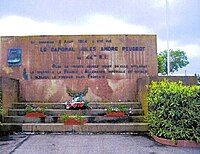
46 17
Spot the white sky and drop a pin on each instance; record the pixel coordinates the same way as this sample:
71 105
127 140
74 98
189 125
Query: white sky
114 17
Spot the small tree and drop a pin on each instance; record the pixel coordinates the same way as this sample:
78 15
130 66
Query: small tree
178 59
198 78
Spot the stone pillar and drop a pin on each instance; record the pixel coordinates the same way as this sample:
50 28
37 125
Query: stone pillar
10 92
142 90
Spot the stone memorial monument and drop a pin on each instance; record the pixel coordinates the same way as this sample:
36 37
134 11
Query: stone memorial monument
110 65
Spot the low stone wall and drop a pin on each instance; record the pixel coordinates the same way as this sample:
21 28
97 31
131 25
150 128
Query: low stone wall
10 88
10 92
142 86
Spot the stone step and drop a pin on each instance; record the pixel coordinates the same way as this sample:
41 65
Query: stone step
90 119
94 105
9 128
88 127
57 112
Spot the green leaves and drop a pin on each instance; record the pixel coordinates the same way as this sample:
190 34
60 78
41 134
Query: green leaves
122 108
30 108
65 116
174 110
178 59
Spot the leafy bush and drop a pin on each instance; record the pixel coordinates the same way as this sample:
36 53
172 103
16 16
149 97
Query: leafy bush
122 108
174 110
112 109
64 117
77 117
198 79
30 108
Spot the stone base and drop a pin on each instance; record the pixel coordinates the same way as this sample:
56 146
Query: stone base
178 143
88 127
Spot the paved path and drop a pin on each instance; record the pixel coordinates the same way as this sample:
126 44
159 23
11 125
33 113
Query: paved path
87 144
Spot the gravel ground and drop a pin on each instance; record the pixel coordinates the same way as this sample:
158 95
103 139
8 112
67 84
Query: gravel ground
87 144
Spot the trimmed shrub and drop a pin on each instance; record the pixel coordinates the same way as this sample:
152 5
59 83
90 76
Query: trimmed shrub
174 111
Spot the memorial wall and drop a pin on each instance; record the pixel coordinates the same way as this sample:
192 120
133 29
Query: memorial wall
109 65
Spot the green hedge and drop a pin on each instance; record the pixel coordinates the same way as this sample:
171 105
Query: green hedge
174 110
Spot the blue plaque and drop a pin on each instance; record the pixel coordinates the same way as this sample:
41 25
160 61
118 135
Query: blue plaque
14 57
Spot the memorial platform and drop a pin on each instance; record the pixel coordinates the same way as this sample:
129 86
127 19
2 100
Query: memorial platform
97 122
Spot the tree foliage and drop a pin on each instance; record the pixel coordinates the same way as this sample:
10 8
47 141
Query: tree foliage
178 59
198 78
